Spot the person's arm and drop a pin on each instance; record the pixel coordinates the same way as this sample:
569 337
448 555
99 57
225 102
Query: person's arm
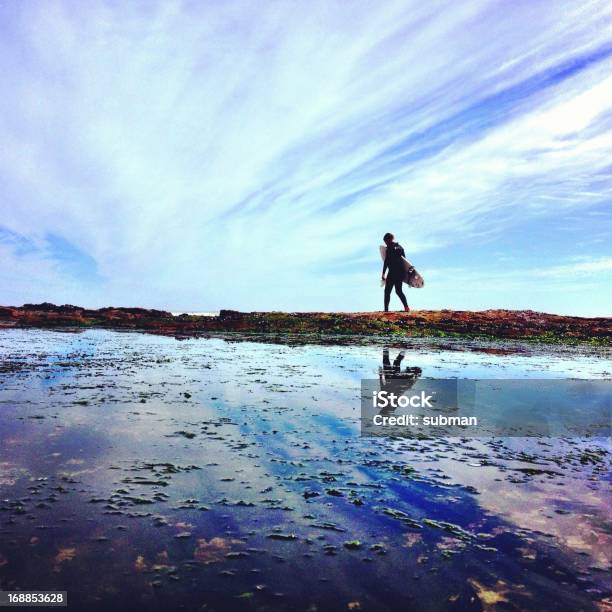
385 265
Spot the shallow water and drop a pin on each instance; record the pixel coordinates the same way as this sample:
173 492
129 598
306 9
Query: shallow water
139 470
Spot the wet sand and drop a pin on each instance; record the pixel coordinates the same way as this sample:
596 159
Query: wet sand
139 470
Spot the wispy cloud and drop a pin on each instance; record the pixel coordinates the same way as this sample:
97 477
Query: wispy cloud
576 286
204 155
602 265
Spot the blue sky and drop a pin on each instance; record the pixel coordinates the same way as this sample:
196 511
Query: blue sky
250 155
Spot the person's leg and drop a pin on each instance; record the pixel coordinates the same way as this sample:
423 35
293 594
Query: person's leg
400 293
388 288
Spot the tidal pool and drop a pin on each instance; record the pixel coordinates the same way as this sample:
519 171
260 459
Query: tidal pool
144 471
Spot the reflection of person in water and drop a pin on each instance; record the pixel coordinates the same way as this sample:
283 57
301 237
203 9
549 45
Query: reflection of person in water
394 378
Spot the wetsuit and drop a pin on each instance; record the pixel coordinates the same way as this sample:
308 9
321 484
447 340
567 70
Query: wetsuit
393 261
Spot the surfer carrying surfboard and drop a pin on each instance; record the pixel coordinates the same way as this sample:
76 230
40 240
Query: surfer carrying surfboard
394 263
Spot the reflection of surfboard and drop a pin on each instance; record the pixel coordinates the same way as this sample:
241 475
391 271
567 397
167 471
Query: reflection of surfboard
411 276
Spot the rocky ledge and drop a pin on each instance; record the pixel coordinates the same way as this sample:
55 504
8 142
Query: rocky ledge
514 324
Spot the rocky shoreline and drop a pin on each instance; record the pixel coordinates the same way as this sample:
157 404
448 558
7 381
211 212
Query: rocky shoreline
498 324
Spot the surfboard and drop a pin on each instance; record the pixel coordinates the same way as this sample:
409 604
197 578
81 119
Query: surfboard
411 276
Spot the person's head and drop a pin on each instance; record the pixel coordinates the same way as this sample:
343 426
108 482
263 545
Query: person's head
388 238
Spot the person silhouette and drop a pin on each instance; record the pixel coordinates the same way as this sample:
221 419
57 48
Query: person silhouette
395 277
